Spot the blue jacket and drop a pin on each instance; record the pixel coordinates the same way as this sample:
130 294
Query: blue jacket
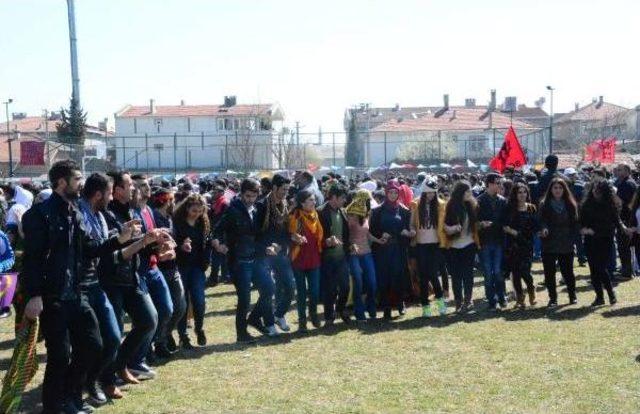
7 258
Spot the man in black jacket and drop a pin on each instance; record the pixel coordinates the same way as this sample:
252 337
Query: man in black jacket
491 210
235 235
58 255
335 268
625 190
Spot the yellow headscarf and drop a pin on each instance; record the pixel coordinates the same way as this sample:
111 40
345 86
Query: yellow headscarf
358 206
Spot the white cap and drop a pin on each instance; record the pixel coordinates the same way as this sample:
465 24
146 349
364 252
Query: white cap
569 171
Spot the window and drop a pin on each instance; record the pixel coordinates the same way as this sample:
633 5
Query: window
220 124
158 147
476 144
236 124
228 126
158 123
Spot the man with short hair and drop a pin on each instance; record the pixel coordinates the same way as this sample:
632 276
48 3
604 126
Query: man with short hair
121 282
59 255
274 241
235 235
626 188
334 268
491 210
153 279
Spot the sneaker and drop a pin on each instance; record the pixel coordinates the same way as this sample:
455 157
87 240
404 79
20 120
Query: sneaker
282 324
70 408
97 397
346 318
573 301
259 326
272 331
5 313
426 311
246 339
171 343
552 304
315 321
142 372
402 309
162 352
302 325
503 304
442 306
185 343
201 338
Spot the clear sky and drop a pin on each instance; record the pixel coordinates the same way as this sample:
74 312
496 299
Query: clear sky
318 57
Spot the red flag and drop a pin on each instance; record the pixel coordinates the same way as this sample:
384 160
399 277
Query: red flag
32 153
511 153
601 150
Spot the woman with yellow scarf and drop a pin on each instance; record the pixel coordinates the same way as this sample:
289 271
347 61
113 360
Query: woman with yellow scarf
306 235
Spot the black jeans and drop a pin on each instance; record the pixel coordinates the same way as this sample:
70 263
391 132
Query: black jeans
460 264
144 321
335 286
176 289
624 252
565 261
442 270
598 253
522 271
73 342
429 259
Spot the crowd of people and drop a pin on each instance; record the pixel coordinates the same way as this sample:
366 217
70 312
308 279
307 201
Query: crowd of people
100 247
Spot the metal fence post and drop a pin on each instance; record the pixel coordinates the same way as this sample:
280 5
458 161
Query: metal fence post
385 148
146 150
334 149
226 151
124 155
175 154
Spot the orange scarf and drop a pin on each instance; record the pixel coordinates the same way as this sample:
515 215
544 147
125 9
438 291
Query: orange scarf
311 222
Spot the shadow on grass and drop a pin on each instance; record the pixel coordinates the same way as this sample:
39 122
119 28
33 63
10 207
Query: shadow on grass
221 294
223 312
622 312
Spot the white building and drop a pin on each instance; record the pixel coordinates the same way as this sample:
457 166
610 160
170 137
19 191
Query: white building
196 137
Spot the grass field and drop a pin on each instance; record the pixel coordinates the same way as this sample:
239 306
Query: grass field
573 359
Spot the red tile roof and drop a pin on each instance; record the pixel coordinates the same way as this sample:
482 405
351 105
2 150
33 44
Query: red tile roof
196 110
465 118
592 112
37 125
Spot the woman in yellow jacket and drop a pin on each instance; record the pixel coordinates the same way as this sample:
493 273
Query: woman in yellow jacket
427 221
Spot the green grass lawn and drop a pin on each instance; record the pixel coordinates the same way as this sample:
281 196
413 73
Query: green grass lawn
573 359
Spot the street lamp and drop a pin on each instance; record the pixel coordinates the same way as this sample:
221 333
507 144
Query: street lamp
550 89
6 107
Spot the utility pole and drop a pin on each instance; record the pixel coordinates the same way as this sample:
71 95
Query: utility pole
75 78
551 89
9 140
297 133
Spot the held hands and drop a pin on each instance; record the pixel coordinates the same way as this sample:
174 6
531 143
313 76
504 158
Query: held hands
274 249
333 241
587 231
486 223
408 233
629 231
510 231
543 233
450 230
355 250
129 229
298 239
186 245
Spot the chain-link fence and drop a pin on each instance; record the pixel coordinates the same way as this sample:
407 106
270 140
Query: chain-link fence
244 152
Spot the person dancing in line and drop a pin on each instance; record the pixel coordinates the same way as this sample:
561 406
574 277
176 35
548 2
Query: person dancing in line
427 220
599 220
559 229
306 235
520 225
461 227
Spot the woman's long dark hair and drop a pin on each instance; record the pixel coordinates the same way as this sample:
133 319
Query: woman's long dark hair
180 216
457 208
605 190
433 211
569 202
512 203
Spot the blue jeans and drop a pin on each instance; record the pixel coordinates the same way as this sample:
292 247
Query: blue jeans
161 298
109 332
193 280
245 273
307 282
363 272
491 260
144 321
280 266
